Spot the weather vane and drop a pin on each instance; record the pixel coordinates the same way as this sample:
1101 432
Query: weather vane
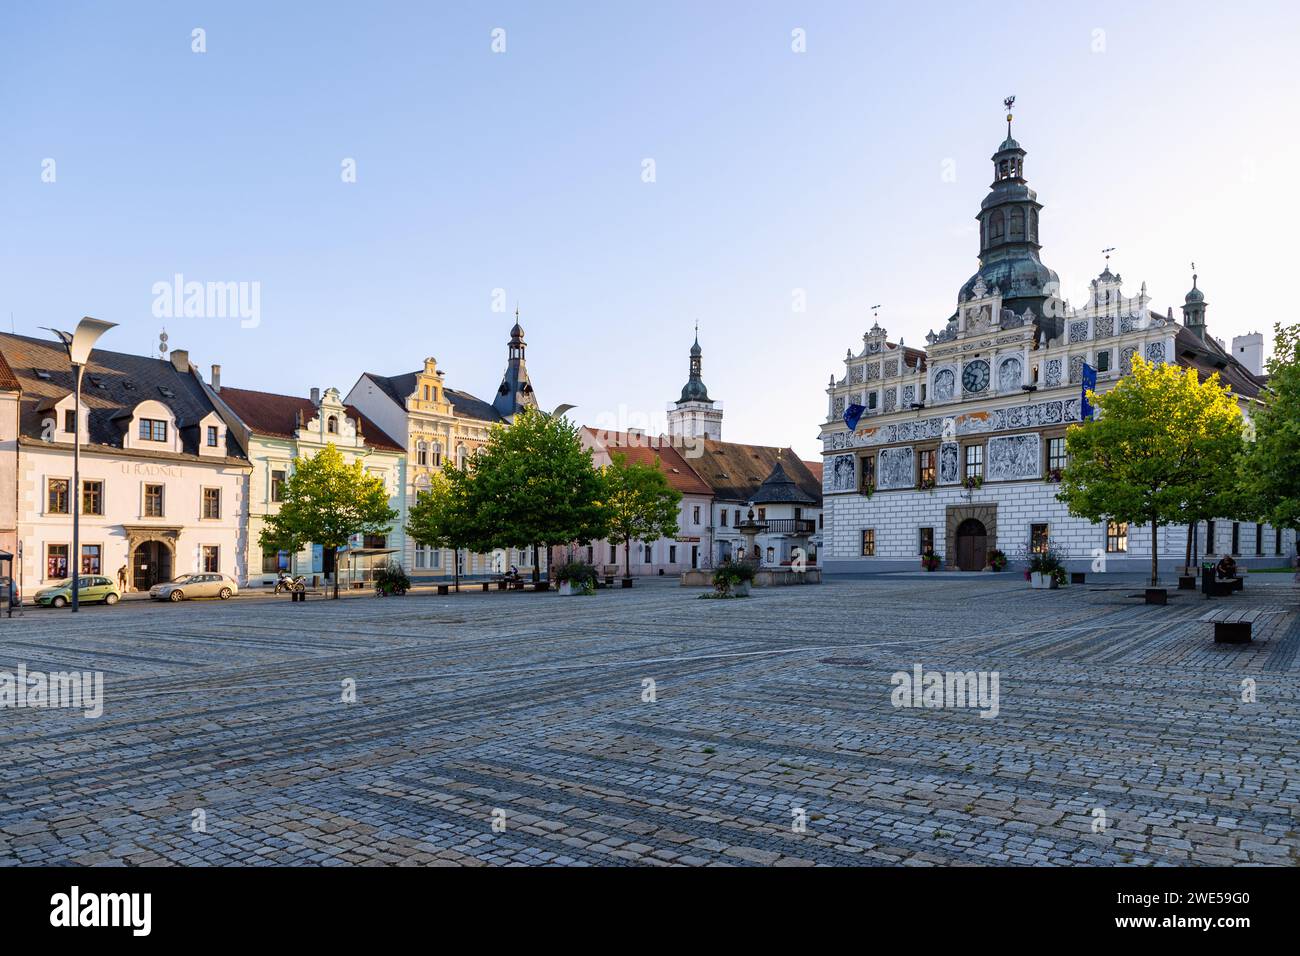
875 312
1009 102
1106 252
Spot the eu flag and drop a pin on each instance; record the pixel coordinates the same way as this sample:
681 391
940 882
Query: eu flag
1089 384
852 414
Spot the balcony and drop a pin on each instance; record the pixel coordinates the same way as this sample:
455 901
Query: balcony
789 526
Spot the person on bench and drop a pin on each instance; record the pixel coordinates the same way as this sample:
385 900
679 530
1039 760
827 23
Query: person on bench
1226 568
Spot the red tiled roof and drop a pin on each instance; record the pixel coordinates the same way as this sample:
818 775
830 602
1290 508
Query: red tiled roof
648 449
8 381
269 414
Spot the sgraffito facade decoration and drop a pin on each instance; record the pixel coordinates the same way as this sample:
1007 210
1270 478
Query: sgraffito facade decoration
896 469
1014 457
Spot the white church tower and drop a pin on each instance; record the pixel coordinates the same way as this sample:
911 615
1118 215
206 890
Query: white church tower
695 415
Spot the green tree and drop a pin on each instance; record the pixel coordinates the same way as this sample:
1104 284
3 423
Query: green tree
327 501
1272 467
442 516
1165 447
534 485
640 505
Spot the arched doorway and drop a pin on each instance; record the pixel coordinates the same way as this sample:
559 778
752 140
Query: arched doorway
972 545
151 563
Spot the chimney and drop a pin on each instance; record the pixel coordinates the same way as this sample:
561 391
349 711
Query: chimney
315 396
181 361
216 378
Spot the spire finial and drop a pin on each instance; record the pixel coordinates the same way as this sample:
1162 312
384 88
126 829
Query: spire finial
1193 275
1009 102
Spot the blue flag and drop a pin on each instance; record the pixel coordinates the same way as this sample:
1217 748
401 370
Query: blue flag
1089 384
852 414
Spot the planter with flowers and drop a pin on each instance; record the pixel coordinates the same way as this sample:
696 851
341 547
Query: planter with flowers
1054 476
1046 569
973 483
868 489
927 483
931 561
997 560
575 578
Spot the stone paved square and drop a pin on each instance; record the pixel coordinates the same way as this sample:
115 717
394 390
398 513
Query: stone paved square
533 705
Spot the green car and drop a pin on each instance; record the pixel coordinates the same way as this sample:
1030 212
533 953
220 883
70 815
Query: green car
91 588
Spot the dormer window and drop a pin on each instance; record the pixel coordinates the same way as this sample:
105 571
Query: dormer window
212 436
332 425
69 421
153 429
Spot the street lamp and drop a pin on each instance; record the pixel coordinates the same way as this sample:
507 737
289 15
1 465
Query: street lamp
79 345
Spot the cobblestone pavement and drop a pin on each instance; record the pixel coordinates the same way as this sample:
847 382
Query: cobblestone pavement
532 706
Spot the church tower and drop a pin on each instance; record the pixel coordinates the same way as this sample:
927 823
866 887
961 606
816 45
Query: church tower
515 392
1194 310
695 415
1009 245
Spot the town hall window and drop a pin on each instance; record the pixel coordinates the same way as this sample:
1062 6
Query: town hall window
92 497
153 501
56 562
1116 536
1038 538
277 485
974 461
153 429
1056 457
211 503
58 496
211 559
927 467
868 471
1103 361
868 542
421 453
927 540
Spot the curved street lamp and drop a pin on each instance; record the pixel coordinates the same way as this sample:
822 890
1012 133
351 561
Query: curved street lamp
79 345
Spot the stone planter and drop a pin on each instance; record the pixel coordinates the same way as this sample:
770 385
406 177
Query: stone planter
541 586
741 589
1187 582
1041 581
1157 596
627 582
1078 577
566 589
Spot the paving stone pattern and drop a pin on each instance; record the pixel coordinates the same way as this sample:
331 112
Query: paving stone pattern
531 706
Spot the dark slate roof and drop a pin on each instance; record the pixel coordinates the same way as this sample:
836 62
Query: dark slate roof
736 471
1208 357
779 488
266 413
400 387
113 384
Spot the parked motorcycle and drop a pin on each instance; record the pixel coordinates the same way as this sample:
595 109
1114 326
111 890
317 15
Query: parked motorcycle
286 584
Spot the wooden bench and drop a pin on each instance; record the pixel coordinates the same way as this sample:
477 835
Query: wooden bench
1230 626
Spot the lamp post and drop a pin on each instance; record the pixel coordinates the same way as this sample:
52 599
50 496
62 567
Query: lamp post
79 345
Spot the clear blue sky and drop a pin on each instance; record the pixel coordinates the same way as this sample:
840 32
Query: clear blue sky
523 171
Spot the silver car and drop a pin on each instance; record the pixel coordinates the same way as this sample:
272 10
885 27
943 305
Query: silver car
203 585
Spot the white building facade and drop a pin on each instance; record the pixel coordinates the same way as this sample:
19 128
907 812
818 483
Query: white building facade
958 448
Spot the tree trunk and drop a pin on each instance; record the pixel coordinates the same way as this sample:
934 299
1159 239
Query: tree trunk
455 568
337 569
1187 562
1155 552
537 560
627 558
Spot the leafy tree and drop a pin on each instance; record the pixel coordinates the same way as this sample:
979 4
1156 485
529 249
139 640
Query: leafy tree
639 503
1272 472
1166 447
442 516
534 485
327 501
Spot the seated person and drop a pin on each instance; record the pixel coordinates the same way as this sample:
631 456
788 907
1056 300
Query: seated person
1226 568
